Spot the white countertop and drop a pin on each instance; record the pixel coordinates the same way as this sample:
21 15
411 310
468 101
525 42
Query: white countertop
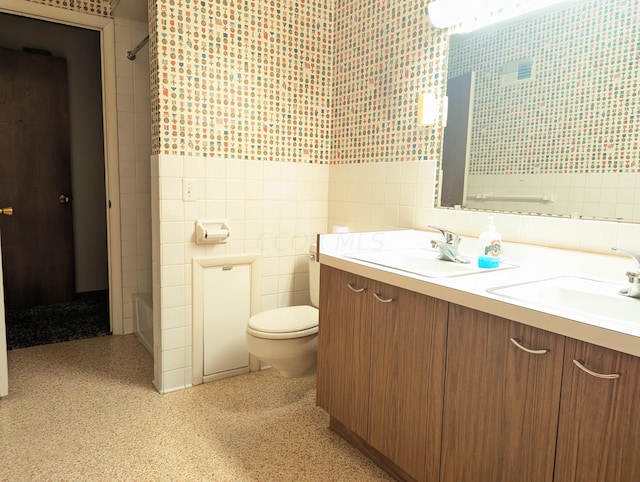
533 263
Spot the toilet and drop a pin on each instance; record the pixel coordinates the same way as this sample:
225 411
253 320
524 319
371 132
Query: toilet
287 338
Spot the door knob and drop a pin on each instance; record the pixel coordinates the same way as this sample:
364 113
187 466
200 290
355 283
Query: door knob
6 211
64 199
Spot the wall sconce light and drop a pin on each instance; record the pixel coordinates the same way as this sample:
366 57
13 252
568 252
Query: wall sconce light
430 109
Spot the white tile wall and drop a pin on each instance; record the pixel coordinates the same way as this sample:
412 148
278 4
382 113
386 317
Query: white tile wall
273 208
576 234
379 196
276 209
593 195
373 197
134 149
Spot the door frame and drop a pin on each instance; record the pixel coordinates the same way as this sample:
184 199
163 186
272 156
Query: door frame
106 27
4 377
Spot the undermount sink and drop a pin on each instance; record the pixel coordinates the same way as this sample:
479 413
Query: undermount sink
424 262
593 298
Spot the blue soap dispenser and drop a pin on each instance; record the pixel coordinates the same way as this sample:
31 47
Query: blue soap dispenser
490 247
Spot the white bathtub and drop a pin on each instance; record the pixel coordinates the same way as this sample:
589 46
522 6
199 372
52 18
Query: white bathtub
143 320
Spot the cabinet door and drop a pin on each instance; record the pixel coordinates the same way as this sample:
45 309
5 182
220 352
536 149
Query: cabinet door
501 402
599 432
407 378
227 308
344 348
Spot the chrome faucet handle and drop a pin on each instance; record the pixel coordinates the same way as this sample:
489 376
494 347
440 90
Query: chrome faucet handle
449 236
449 247
633 291
634 255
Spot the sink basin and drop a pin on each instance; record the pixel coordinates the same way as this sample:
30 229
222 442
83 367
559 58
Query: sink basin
424 262
573 294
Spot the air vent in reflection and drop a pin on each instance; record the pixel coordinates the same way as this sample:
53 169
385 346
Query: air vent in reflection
517 71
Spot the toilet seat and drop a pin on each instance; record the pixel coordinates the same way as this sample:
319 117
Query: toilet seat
288 322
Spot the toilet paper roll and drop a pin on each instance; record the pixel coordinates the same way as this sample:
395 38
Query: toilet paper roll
216 234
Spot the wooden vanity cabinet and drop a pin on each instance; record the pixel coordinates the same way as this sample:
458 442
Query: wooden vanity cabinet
407 379
502 413
501 402
599 424
344 349
381 353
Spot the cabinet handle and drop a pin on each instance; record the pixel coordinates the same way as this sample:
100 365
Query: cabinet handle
353 288
382 300
516 342
610 376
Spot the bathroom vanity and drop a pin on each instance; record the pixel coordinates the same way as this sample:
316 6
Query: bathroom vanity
440 379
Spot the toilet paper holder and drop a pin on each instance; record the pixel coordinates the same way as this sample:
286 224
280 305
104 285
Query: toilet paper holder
212 231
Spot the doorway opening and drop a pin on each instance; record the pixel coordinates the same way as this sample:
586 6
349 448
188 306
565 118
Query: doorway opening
55 247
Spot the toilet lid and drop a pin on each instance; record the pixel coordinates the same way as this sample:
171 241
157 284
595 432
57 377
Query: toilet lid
285 320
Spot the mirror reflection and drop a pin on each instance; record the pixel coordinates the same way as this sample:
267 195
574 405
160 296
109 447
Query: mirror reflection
544 114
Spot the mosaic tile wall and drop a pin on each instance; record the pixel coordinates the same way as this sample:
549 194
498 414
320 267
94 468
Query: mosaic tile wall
579 112
101 8
386 53
244 79
154 77
253 80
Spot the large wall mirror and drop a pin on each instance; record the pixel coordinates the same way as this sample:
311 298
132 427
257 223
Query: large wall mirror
544 114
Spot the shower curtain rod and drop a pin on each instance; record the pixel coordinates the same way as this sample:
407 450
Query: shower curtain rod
131 54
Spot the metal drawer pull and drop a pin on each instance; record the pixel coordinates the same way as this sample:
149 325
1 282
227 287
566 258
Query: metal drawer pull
353 288
382 300
516 342
610 376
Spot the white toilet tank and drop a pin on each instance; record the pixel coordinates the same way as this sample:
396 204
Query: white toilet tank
314 276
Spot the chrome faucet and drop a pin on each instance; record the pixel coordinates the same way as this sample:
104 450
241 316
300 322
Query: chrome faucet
449 247
634 277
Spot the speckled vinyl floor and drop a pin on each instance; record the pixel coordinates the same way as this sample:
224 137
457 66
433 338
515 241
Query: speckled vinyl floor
86 410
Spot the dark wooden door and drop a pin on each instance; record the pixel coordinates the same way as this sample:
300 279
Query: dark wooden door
456 136
35 179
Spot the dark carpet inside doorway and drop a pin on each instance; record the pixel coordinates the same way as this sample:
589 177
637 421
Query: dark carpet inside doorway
86 316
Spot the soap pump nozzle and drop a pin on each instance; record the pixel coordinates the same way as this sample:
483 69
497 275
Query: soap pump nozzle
491 227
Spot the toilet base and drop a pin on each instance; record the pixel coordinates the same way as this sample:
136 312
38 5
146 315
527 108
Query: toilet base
306 368
293 358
